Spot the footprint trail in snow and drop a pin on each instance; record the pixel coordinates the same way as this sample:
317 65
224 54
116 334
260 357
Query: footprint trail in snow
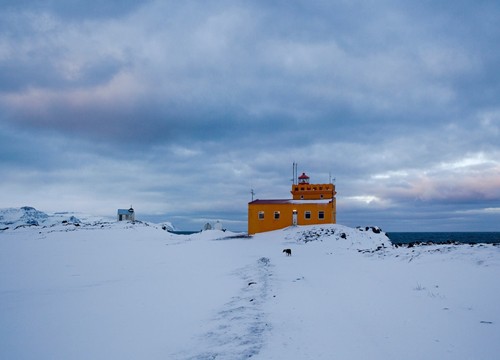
238 330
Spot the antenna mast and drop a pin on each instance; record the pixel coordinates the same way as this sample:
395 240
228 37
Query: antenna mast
294 173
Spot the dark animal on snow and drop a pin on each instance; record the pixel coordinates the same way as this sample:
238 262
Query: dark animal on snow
288 252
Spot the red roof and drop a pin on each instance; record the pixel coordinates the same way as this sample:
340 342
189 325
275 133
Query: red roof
291 201
271 201
303 176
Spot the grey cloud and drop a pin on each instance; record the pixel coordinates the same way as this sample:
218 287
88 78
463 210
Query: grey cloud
39 73
303 75
75 9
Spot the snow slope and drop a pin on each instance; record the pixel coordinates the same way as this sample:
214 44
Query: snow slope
134 291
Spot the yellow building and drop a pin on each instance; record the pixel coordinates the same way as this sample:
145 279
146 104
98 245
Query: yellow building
310 204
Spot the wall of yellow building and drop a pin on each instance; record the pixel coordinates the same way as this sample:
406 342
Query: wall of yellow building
269 223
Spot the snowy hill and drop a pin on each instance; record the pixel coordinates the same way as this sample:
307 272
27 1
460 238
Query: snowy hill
26 216
134 291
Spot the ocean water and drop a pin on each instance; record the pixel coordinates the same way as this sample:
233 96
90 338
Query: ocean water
444 237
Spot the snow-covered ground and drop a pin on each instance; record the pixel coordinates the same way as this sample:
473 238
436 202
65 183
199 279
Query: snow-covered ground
108 290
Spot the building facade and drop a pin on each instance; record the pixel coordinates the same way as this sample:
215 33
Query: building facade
310 204
126 214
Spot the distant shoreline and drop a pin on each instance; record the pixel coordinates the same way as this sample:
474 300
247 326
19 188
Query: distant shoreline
462 237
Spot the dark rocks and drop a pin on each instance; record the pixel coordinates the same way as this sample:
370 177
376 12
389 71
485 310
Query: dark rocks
316 234
374 229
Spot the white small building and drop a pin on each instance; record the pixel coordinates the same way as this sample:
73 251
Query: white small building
126 214
218 225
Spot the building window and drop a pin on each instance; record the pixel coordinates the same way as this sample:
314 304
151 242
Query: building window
302 197
276 215
307 215
321 196
261 215
321 215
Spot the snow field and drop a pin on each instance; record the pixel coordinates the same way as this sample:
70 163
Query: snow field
137 292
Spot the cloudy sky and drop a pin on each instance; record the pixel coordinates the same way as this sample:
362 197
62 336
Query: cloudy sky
179 108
